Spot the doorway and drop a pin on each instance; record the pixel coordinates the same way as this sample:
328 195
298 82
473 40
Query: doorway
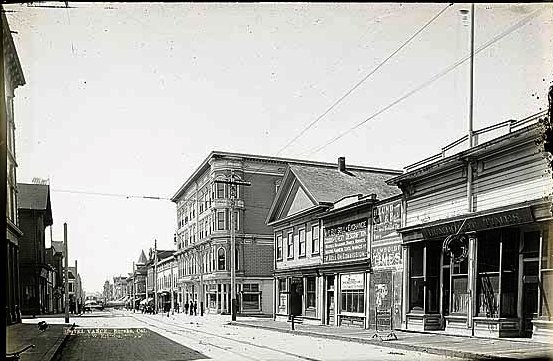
296 296
330 304
530 279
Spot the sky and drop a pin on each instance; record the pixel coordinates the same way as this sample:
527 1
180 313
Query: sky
128 99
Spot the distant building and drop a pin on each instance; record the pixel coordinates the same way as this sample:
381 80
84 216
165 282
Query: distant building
13 78
152 280
119 287
35 214
76 294
108 291
54 257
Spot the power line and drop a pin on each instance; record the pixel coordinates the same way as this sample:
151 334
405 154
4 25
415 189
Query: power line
351 90
127 196
509 30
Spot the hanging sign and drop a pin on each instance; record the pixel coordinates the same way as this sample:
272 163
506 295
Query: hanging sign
352 281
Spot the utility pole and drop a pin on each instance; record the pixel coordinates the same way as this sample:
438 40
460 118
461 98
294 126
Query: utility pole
233 181
155 275
66 273
133 286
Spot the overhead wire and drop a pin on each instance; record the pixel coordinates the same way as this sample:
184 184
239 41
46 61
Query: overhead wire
352 89
500 36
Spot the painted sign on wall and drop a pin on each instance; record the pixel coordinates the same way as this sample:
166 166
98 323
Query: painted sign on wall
346 242
386 256
389 219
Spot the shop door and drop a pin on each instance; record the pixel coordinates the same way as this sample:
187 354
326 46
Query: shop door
529 295
330 301
296 297
530 272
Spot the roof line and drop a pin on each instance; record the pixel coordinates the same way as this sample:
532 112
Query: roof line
214 153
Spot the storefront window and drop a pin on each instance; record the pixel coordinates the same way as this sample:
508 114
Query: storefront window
353 301
433 251
509 273
459 285
311 293
283 297
416 277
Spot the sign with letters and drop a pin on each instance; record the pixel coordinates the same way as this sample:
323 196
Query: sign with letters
347 241
386 256
352 281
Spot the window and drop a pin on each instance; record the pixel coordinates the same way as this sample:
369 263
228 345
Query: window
235 220
236 259
315 239
220 189
459 286
251 297
424 282
221 259
283 295
311 293
220 220
290 245
353 301
279 246
301 236
546 279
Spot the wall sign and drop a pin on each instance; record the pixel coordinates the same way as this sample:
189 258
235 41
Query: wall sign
502 219
345 242
352 281
386 256
389 219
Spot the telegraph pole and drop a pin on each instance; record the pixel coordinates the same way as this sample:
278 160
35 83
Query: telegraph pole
155 275
133 286
66 273
233 181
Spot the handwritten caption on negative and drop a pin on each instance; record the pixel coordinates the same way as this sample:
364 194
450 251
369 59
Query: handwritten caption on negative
106 332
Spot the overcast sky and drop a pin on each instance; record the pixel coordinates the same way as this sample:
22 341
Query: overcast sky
129 99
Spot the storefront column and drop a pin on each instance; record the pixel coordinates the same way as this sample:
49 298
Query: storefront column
472 259
367 295
218 299
405 295
275 297
337 301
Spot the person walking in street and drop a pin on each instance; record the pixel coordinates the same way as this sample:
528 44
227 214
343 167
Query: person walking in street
195 308
191 308
186 308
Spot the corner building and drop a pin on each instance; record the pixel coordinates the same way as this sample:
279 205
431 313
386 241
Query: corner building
476 236
203 235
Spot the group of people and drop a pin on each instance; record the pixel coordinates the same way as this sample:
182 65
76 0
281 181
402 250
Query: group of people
189 308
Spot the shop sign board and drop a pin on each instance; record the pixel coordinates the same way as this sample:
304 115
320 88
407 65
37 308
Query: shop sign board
501 219
389 220
386 256
347 241
352 281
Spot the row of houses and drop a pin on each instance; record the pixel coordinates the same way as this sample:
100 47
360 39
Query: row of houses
34 274
458 242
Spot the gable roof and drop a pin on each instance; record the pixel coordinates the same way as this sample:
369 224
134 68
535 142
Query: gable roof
328 185
325 185
142 259
35 197
58 247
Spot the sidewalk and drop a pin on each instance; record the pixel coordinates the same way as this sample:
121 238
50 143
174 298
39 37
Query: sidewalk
455 346
47 342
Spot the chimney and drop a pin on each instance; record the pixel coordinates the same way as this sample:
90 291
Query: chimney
342 164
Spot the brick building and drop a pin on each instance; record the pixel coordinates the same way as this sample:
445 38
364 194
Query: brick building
13 78
203 233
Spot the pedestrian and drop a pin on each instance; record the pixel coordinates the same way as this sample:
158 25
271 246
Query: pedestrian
191 308
195 308
186 308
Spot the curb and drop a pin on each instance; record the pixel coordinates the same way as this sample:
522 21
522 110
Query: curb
54 352
407 347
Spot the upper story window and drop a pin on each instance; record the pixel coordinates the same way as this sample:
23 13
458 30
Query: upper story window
220 189
279 246
221 265
315 244
220 220
290 253
301 236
